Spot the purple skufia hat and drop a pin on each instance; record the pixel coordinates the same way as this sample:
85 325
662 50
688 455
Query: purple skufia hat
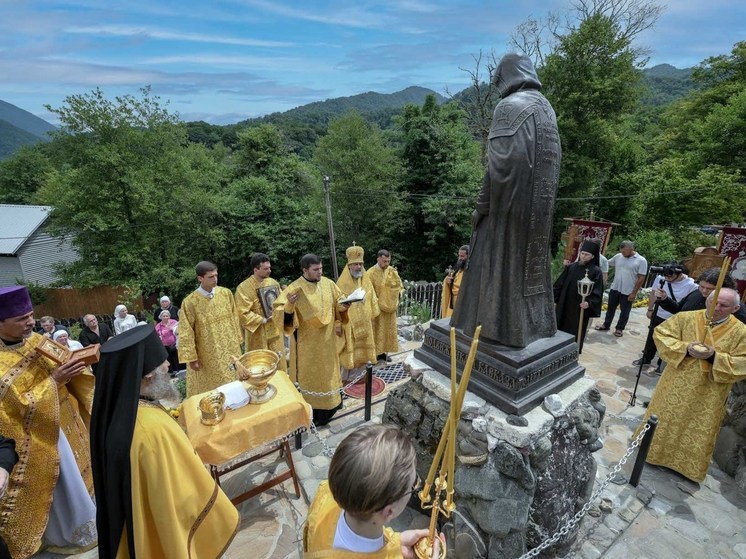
14 301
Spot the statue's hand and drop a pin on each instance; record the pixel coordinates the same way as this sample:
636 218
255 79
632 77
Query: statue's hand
476 217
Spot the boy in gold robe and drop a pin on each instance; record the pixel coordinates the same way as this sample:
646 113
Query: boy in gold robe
388 287
309 313
155 498
209 333
371 478
46 408
259 329
691 394
360 345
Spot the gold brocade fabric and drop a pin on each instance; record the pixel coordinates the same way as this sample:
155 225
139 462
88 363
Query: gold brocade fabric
450 294
248 427
314 361
690 397
209 332
33 408
257 334
360 323
321 527
388 287
178 510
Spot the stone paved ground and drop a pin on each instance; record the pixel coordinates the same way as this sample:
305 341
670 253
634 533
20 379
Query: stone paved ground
665 517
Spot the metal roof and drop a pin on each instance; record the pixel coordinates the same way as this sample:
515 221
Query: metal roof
18 223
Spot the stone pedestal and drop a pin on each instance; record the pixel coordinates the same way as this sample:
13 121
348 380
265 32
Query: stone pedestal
512 379
517 479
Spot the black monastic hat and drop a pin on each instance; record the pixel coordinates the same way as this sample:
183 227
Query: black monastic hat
125 360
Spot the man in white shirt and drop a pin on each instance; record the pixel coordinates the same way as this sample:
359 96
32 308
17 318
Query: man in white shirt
675 285
631 269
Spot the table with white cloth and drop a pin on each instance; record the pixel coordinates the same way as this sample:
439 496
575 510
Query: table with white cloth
250 433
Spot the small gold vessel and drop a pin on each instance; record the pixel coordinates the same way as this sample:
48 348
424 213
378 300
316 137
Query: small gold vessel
212 408
256 368
423 549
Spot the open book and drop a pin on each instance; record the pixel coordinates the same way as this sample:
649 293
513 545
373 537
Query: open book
355 297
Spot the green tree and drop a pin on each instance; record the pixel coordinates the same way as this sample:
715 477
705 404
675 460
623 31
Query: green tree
142 203
363 171
442 176
273 206
23 173
592 82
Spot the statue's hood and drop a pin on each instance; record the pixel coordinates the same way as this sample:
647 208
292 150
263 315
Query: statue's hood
515 72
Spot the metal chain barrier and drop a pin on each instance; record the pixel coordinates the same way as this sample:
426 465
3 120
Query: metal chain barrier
565 530
331 392
326 451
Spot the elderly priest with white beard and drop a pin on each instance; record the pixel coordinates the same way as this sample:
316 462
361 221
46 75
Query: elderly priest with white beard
155 498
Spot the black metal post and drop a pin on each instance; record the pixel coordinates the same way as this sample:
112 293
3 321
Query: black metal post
657 304
368 389
642 453
298 441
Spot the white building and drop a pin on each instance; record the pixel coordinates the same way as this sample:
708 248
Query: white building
27 252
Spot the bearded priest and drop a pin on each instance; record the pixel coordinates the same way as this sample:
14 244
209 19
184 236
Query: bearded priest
154 496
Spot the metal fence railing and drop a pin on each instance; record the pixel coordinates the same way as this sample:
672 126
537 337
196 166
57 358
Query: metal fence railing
421 299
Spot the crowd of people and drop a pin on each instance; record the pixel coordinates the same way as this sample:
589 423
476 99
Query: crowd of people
81 453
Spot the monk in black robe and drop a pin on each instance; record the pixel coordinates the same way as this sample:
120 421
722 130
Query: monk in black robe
567 299
507 287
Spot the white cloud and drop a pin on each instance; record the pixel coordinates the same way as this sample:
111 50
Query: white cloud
168 35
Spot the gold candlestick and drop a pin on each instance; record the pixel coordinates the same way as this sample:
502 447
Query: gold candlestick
445 481
711 310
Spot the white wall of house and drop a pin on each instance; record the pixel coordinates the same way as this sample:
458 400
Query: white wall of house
10 270
39 255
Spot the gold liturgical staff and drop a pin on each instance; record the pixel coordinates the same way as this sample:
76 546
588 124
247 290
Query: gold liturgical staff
584 289
256 368
445 480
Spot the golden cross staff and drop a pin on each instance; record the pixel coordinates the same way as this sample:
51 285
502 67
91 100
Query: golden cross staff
444 482
724 267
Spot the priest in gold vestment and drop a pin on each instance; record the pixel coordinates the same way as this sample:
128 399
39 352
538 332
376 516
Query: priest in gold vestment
209 333
452 283
388 287
155 498
690 397
259 329
309 312
46 408
360 345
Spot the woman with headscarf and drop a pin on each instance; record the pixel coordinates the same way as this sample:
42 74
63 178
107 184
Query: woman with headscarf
568 300
122 320
62 337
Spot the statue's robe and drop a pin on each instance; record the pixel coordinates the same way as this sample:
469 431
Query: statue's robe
690 397
321 526
507 285
388 287
314 361
36 411
360 344
450 294
567 299
257 333
178 510
209 332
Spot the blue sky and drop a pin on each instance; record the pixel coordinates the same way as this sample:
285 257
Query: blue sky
223 61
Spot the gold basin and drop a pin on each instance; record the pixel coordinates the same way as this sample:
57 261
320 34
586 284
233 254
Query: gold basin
212 408
256 368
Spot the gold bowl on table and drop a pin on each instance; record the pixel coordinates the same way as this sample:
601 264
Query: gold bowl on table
255 369
212 408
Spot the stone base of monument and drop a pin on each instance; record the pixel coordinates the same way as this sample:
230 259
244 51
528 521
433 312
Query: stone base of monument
512 379
518 479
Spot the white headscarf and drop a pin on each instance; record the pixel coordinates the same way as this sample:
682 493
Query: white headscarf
59 333
118 309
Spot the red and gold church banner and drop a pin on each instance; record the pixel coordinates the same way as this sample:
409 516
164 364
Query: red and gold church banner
733 244
581 229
